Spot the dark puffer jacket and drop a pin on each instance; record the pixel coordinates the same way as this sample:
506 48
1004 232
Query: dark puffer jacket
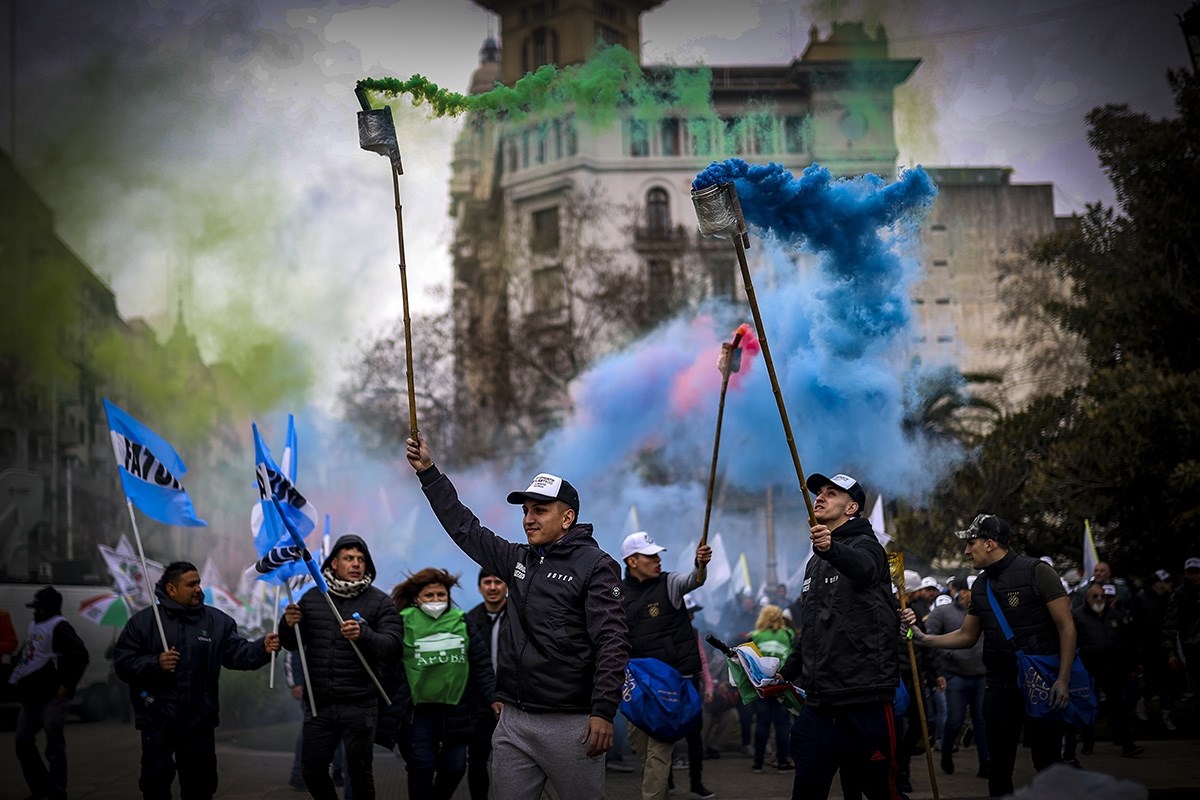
847 651
336 673
207 639
565 645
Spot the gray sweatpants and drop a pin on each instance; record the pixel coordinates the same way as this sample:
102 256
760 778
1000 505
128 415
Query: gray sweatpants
529 749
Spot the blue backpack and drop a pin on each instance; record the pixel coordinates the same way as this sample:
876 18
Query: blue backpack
658 700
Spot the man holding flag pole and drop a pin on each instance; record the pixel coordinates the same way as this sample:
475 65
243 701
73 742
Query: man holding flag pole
351 631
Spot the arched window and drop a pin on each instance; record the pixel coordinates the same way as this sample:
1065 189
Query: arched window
540 48
658 213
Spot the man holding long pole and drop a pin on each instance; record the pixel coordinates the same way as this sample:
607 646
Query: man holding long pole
348 633
846 659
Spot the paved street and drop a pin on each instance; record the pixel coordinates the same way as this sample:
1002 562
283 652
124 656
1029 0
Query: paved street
104 766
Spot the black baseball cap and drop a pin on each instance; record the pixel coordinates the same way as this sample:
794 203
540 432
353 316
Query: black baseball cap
47 598
987 526
547 488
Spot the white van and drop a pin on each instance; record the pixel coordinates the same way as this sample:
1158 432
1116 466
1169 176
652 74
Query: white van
92 695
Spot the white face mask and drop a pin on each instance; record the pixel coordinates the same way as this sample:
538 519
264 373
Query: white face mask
434 610
1098 607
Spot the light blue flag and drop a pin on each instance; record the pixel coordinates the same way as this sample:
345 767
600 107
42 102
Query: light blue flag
298 541
150 470
275 483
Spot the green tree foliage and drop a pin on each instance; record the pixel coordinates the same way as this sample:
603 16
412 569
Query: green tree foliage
1123 449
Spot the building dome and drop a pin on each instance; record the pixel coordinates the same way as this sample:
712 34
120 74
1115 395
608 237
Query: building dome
485 76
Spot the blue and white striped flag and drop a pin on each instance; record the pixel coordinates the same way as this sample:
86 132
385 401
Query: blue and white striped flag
279 484
150 470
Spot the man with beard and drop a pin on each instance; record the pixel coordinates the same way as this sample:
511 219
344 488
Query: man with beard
343 691
174 692
846 659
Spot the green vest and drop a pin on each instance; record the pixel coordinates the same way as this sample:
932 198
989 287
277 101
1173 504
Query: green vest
435 655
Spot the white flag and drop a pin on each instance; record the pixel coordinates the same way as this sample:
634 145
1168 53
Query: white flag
876 520
718 569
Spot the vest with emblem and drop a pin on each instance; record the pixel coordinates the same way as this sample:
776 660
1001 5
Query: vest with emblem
657 628
1033 628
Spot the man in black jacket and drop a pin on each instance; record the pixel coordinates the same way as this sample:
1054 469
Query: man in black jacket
175 691
564 649
846 661
47 670
347 703
1037 609
487 617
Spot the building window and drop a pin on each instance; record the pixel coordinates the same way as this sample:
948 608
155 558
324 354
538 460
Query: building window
524 149
543 144
945 339
558 139
919 301
550 289
937 227
540 48
941 262
669 136
942 301
609 35
793 134
660 282
724 277
610 12
658 213
700 137
510 150
572 140
639 138
543 237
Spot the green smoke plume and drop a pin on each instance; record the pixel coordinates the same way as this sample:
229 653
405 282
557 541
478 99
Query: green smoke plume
608 83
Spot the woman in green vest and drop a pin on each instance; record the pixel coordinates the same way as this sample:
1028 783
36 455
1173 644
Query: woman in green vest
443 683
774 637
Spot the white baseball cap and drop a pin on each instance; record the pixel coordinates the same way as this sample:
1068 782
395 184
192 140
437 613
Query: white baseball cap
942 600
929 583
639 543
971 580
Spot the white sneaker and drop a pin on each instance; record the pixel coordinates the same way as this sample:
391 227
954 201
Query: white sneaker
1140 709
1167 722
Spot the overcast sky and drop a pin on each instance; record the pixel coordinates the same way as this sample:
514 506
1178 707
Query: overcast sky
207 150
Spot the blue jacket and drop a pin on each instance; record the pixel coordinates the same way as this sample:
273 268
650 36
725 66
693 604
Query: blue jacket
207 639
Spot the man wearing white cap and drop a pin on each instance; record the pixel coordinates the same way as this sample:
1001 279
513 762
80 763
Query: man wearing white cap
846 658
564 649
661 627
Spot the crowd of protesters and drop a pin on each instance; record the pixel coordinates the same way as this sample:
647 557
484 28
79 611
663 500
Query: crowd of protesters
524 695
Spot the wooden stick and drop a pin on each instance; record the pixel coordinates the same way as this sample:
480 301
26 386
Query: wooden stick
766 352
312 699
896 568
726 367
408 354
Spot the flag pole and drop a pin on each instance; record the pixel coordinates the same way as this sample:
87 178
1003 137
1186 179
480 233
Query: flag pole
137 537
312 700
275 629
728 362
320 582
896 570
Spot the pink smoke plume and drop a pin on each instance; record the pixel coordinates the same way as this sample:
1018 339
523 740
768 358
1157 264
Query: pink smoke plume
698 384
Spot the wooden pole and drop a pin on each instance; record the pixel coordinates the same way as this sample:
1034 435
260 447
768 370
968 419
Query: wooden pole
726 365
766 351
408 354
896 568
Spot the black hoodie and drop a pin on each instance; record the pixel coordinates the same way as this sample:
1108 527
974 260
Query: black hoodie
337 674
207 639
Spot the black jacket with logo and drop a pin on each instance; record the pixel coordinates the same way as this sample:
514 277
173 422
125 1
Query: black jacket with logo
847 651
207 639
337 674
564 646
